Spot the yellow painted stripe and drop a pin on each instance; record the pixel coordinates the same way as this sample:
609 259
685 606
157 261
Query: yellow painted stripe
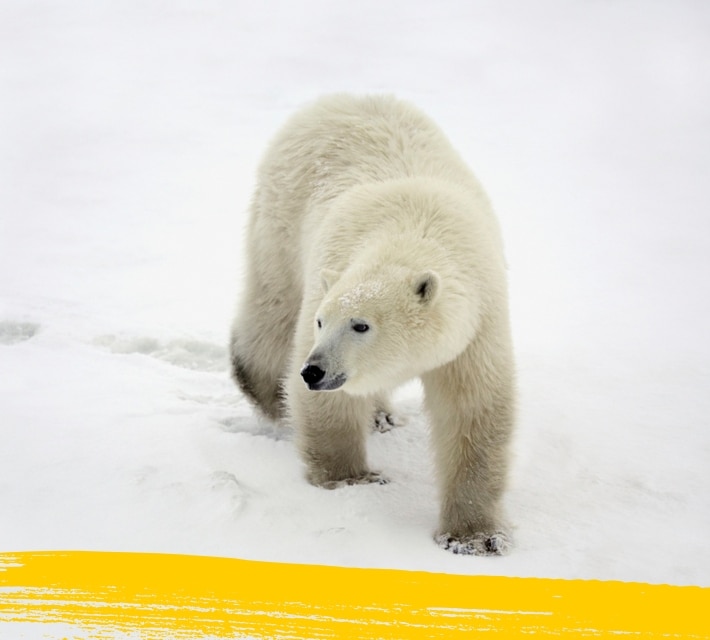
173 596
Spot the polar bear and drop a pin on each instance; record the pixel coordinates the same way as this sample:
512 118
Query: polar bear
373 257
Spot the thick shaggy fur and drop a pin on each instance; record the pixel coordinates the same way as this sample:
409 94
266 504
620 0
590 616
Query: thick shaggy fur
373 256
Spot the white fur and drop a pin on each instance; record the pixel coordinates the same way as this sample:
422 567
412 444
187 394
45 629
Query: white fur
365 215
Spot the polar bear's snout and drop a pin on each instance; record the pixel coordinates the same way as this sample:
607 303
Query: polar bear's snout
318 379
312 374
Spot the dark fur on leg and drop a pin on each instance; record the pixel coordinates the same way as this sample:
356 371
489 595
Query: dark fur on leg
268 397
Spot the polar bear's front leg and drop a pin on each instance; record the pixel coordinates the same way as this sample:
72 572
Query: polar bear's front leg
331 428
471 412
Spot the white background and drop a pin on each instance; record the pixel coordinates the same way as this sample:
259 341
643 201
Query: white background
129 138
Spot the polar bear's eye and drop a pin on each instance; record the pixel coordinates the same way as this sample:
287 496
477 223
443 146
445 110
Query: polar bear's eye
319 323
361 327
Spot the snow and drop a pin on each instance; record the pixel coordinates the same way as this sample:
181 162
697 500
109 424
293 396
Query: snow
129 138
361 293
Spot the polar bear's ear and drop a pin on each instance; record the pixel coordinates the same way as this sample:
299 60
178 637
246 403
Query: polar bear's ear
328 277
426 286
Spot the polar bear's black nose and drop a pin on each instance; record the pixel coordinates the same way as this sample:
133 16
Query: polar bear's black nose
312 374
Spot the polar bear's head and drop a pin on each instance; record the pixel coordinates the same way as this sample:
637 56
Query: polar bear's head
374 331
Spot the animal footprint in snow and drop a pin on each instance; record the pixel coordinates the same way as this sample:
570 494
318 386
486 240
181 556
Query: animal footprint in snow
188 354
14 332
228 486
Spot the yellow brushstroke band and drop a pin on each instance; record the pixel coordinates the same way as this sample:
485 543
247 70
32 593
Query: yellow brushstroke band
160 596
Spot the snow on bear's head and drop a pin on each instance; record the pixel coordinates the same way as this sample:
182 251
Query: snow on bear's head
374 331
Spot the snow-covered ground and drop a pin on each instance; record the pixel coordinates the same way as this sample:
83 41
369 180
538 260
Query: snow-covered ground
129 137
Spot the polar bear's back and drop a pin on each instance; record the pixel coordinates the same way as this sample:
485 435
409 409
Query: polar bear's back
326 149
341 141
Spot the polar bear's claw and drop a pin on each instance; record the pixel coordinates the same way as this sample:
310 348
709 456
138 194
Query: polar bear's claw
479 544
370 477
384 421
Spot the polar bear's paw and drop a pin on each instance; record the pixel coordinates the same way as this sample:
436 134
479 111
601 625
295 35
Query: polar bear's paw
384 421
479 544
370 477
